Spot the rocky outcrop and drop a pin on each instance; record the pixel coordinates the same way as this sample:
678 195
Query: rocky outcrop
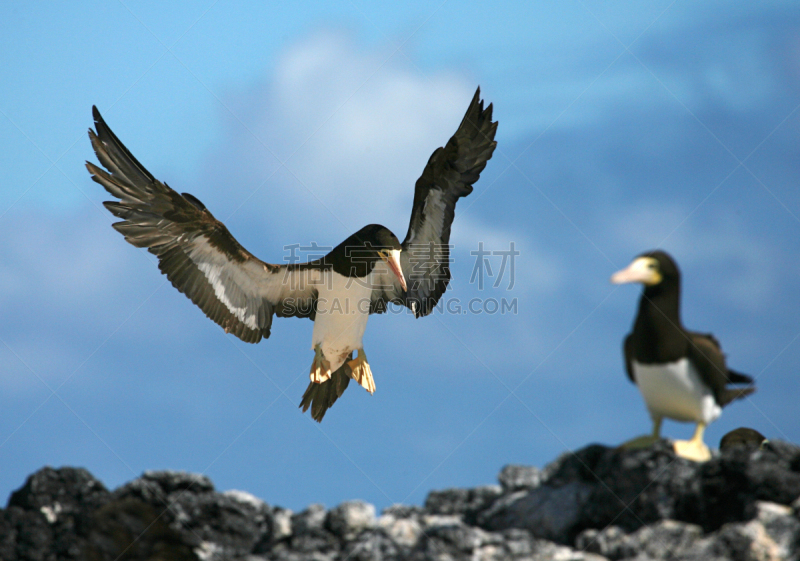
594 504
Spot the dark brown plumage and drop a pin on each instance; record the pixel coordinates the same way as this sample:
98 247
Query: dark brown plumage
681 374
659 337
448 176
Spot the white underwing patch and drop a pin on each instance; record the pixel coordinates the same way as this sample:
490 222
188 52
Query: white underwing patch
213 273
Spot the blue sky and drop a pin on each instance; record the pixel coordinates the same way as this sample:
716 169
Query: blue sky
623 127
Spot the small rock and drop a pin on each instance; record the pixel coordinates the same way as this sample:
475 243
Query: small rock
466 502
663 539
518 543
781 526
371 546
553 552
310 519
350 518
404 531
463 537
514 477
246 499
171 481
281 523
435 520
404 511
749 542
609 542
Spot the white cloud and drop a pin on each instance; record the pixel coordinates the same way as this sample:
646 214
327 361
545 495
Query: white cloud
357 126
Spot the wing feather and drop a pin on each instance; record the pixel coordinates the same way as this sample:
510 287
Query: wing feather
449 175
196 251
707 356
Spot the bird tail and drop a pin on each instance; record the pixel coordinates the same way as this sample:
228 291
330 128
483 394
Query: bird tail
320 397
727 395
738 378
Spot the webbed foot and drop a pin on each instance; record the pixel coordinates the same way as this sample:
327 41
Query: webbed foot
320 368
694 449
362 373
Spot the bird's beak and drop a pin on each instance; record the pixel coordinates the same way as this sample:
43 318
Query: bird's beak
393 260
638 271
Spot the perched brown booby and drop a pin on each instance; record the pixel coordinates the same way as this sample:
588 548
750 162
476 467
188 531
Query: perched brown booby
682 374
360 276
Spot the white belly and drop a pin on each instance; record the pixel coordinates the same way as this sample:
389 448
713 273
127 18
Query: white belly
675 390
342 313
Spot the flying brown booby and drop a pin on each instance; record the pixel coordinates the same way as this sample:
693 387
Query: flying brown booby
360 276
681 374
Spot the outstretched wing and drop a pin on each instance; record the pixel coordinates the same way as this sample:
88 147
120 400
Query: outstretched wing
195 250
706 355
448 176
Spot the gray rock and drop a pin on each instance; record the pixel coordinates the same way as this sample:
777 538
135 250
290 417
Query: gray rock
664 539
552 513
404 511
51 514
172 481
609 542
465 502
309 520
748 541
781 526
373 546
404 531
350 519
514 477
592 504
462 537
281 524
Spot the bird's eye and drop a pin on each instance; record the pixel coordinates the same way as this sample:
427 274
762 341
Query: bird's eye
651 266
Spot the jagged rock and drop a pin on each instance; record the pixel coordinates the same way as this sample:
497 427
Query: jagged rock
596 503
547 512
215 525
130 528
669 539
597 486
51 514
465 502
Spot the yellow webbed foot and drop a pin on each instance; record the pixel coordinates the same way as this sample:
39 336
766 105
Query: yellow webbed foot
694 449
362 373
691 450
320 368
